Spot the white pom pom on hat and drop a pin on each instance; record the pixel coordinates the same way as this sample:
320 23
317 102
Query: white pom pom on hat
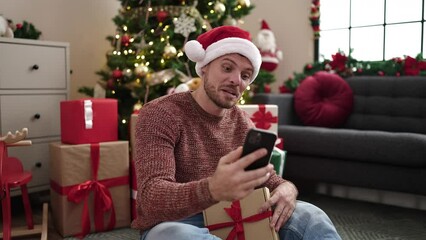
220 41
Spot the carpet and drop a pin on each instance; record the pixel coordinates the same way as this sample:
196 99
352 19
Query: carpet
357 220
354 220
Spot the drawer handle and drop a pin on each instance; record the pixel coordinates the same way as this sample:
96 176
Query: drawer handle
35 67
38 165
37 116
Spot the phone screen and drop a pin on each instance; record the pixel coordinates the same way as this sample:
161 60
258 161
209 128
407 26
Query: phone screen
256 139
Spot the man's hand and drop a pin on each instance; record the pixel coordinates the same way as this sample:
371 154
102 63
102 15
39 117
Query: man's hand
231 182
284 200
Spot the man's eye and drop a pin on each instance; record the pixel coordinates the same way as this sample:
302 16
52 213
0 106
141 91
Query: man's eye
227 68
246 77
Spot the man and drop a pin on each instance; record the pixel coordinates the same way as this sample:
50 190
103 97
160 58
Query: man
188 150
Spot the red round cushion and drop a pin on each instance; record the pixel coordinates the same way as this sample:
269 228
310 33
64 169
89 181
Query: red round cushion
324 100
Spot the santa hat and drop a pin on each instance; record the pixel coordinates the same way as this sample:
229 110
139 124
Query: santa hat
220 41
265 25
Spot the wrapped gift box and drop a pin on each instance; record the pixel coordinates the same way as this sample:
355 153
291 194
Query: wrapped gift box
264 116
89 187
255 226
89 121
278 160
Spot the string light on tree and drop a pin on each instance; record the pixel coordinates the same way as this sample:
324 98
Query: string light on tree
149 39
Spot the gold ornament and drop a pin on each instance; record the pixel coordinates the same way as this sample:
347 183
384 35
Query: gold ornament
169 51
141 70
244 3
219 7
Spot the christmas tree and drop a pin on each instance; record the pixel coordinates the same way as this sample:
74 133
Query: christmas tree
147 60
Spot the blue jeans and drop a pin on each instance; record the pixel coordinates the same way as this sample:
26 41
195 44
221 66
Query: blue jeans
307 222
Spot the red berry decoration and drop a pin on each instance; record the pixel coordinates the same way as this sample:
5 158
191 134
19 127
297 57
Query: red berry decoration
117 73
162 15
284 89
267 88
308 67
18 25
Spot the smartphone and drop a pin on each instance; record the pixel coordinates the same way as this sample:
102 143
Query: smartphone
256 139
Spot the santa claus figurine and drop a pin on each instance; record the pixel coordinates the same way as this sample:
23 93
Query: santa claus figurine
265 41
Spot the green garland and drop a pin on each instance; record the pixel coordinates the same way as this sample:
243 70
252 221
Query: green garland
346 66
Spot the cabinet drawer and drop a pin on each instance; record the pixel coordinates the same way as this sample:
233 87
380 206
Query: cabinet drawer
25 66
34 158
39 113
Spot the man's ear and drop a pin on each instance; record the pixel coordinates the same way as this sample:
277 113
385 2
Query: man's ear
204 69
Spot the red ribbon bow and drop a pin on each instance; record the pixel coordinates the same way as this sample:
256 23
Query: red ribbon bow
263 119
238 221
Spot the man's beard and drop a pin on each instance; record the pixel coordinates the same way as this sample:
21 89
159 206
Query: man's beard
214 95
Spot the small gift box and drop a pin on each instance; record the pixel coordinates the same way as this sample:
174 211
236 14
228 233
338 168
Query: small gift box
240 219
89 121
264 116
89 187
278 160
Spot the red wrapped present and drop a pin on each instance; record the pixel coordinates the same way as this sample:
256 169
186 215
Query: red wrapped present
240 220
263 116
89 187
89 121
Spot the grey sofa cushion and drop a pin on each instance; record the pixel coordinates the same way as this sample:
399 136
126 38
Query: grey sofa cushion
399 149
395 104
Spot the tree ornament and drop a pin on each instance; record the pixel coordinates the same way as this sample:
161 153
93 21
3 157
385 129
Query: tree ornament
219 7
266 43
117 73
162 15
110 84
141 70
169 51
245 3
125 40
184 25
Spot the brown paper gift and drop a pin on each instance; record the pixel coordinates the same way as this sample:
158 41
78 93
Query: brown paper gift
218 218
84 200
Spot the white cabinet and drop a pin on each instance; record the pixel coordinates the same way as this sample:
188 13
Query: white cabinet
34 79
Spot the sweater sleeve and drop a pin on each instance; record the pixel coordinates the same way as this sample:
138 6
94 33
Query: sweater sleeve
160 198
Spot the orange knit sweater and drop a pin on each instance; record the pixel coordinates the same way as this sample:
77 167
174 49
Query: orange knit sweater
178 145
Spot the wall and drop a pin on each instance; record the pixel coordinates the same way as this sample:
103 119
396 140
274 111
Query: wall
85 24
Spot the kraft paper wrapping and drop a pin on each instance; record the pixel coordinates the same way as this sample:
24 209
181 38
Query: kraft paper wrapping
249 207
71 165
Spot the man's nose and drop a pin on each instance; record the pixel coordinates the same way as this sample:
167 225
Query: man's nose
236 78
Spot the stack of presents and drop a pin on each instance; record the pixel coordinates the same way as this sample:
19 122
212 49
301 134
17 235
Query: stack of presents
89 170
93 186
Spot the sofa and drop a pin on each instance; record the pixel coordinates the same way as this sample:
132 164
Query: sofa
381 144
